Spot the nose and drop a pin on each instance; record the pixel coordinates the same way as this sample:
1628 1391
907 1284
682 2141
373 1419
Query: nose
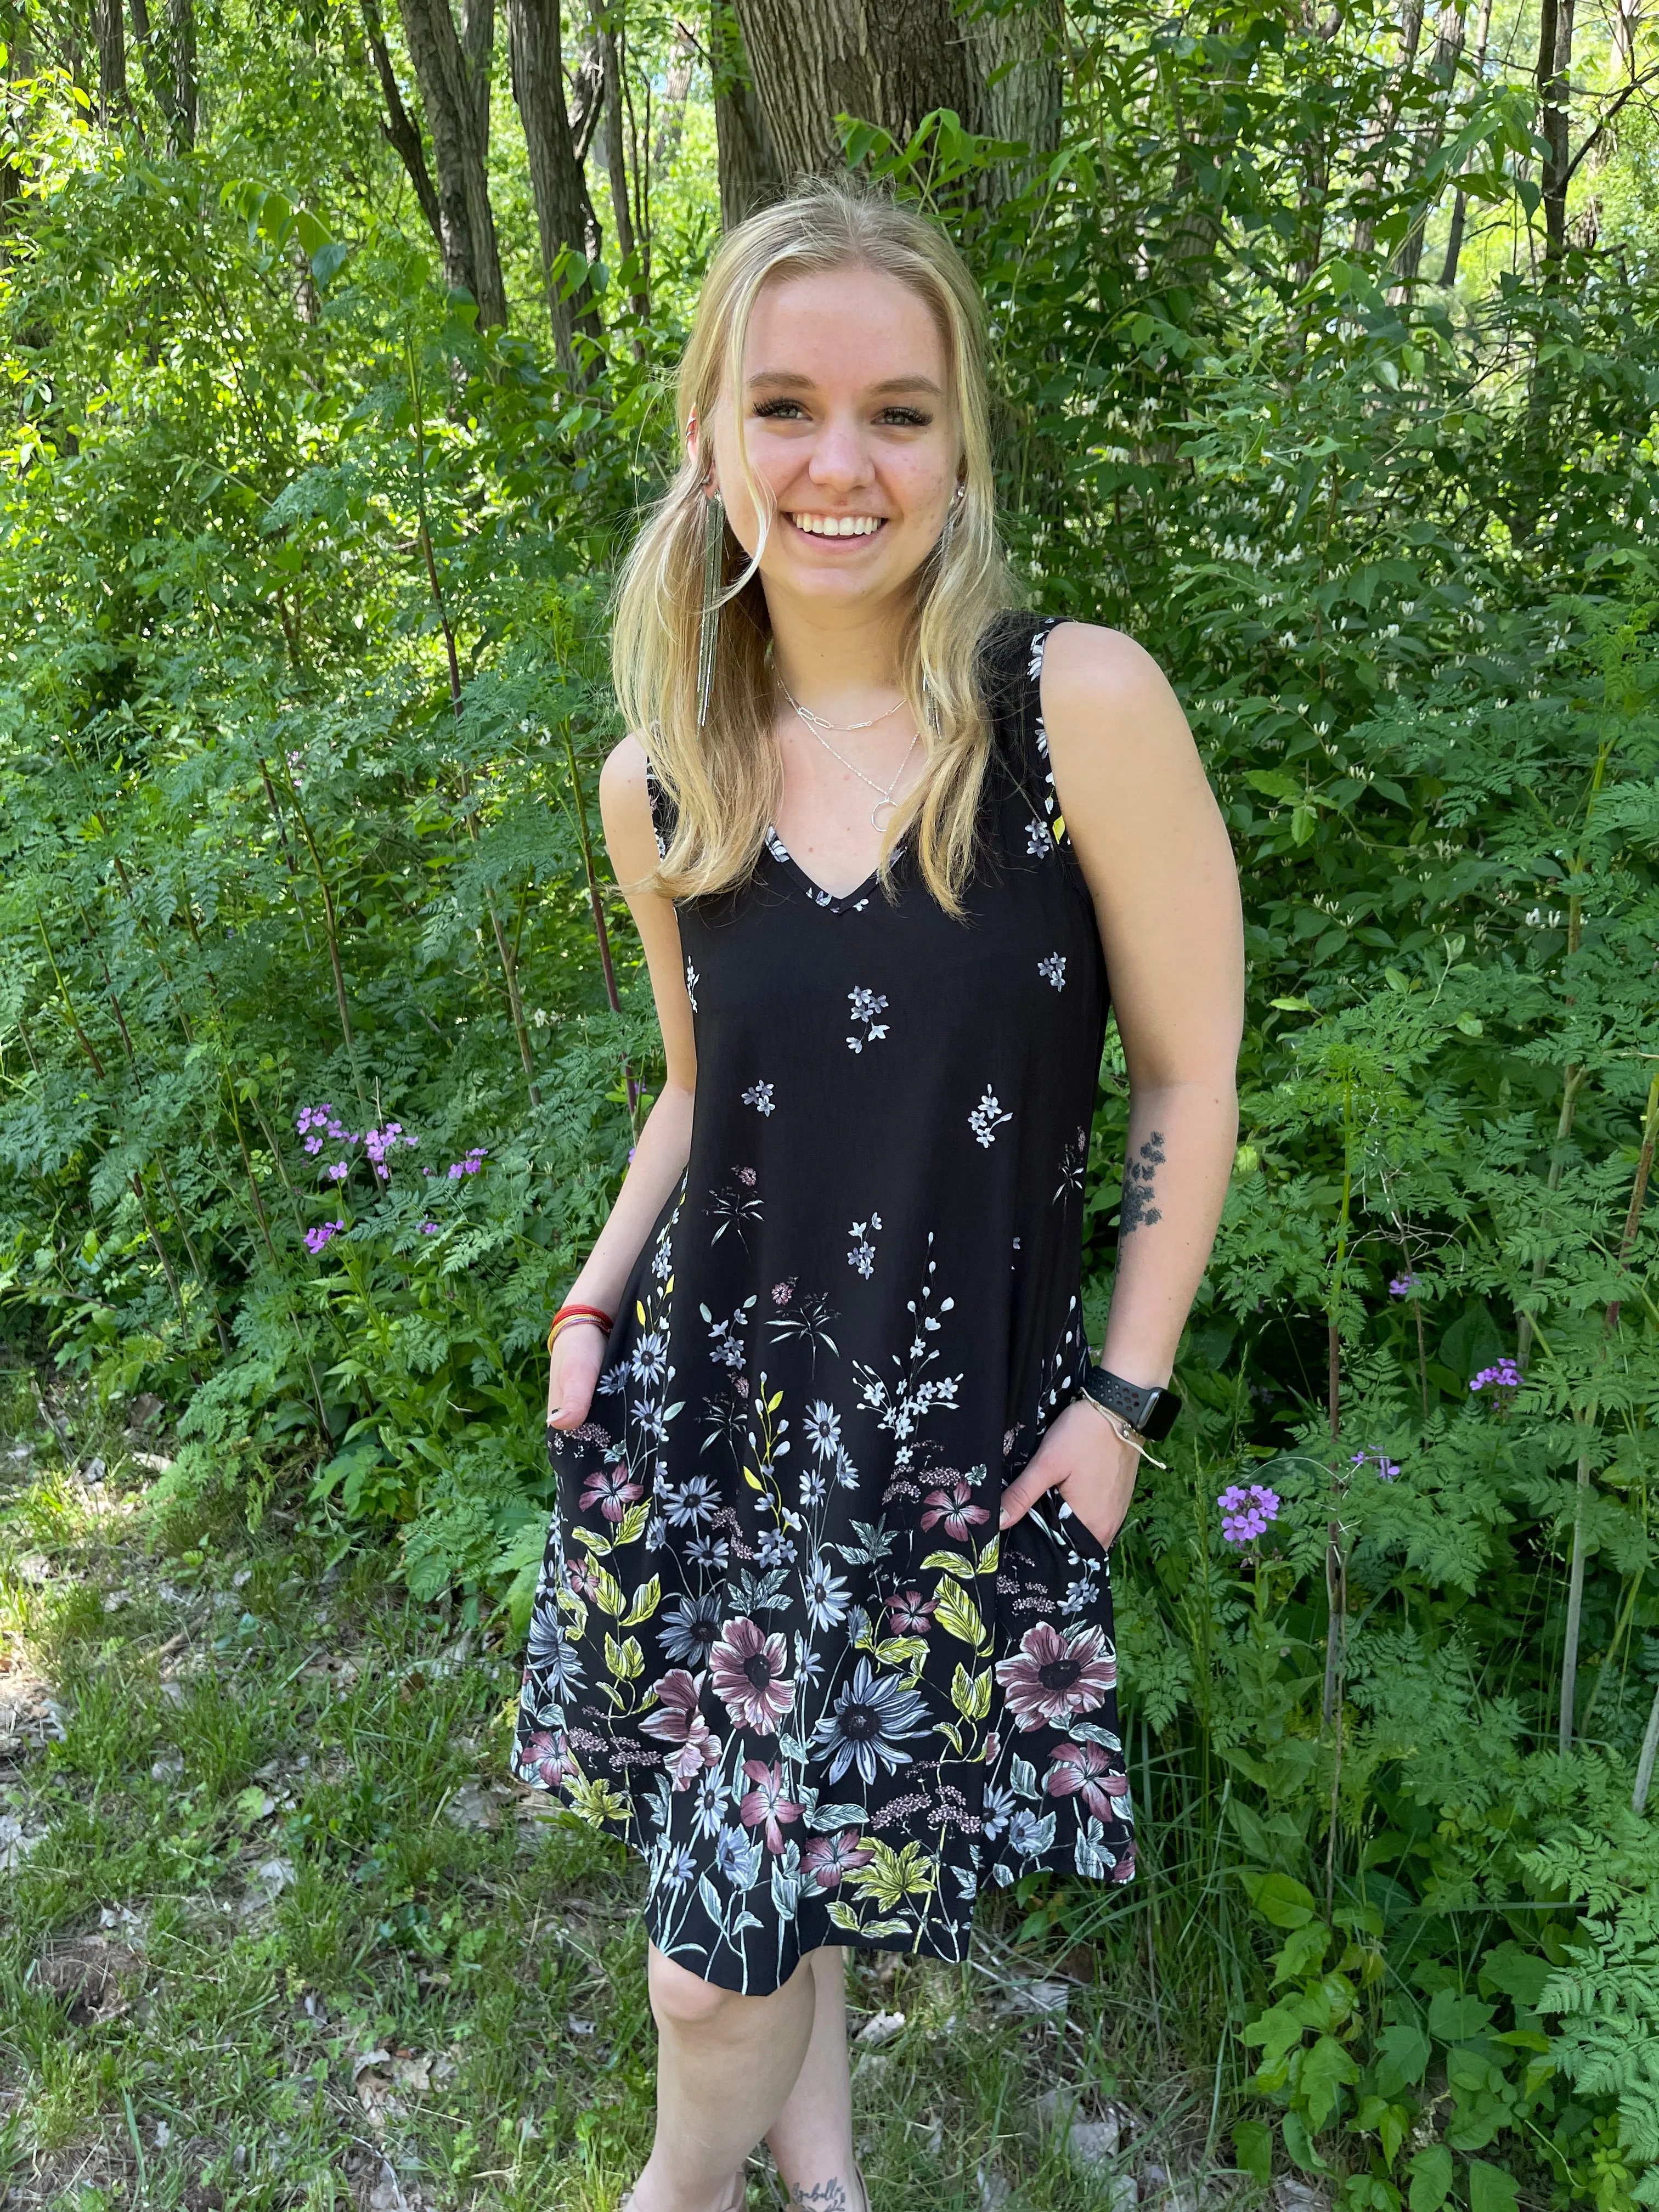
839 459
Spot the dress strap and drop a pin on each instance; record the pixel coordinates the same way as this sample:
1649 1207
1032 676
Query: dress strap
665 816
1012 674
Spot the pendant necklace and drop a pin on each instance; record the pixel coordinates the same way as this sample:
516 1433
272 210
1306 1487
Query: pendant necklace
816 724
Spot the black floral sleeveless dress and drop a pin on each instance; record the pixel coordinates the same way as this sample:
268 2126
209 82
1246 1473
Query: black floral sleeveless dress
777 1641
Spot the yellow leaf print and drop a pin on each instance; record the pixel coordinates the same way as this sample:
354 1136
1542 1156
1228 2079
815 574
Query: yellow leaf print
891 1876
596 1801
971 1693
625 1660
951 1562
986 1562
608 1593
645 1603
958 1616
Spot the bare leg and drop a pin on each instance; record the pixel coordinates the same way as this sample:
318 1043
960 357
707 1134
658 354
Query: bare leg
725 2064
811 2138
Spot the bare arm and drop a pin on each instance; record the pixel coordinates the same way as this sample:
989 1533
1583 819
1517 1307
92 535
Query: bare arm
665 1142
1154 851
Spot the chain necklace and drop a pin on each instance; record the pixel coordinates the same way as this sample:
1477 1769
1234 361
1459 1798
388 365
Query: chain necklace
816 724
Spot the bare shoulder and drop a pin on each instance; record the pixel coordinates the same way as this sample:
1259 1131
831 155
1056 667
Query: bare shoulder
625 809
1100 688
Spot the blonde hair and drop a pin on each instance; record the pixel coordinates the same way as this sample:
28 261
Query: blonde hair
722 778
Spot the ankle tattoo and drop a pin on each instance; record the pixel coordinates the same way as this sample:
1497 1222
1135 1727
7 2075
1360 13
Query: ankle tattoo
824 2197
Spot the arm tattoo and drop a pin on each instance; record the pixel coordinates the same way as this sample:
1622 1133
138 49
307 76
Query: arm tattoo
1138 1210
822 2197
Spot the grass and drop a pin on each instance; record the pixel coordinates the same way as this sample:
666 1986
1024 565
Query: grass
277 1930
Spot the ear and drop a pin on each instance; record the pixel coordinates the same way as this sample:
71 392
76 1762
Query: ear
694 449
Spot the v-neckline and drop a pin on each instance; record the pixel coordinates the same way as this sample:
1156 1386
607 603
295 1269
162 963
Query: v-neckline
832 902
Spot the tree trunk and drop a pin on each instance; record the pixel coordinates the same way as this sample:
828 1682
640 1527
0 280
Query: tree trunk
109 28
1448 52
749 172
1554 59
1411 37
1025 101
181 70
676 90
478 46
811 60
616 144
398 127
564 213
467 221
1460 205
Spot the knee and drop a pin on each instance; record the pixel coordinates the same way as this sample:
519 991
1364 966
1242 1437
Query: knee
682 1999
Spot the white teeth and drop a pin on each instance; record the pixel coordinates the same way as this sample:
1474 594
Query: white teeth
839 526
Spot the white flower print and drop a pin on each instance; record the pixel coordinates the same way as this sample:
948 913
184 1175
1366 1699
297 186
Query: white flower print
1039 840
650 1356
759 1096
862 1257
822 1426
691 981
1052 971
826 1594
986 1118
690 1503
865 1006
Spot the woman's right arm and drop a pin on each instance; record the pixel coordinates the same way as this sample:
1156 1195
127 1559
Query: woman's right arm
665 1142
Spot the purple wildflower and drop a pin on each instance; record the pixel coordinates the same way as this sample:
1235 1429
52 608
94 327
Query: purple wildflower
339 1171
470 1165
1403 1286
316 1238
1386 1469
1505 1375
1246 1509
429 1229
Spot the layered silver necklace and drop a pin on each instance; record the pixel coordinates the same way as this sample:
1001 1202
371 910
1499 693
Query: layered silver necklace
817 725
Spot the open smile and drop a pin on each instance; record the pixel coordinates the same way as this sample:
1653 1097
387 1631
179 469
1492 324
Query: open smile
839 527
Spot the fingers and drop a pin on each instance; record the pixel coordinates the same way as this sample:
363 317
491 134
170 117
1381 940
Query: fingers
1022 1493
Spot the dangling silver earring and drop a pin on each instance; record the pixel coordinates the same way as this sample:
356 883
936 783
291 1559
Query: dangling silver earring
949 530
713 579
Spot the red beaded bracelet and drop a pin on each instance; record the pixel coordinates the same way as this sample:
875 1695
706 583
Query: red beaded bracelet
566 1315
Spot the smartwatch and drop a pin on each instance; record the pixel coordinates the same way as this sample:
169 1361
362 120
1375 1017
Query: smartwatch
1150 1412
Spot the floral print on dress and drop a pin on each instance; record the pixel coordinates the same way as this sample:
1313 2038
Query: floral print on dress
777 1640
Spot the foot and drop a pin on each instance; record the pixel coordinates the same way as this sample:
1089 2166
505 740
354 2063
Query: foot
831 2195
735 2201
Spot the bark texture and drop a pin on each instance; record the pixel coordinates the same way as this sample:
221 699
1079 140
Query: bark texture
564 213
887 61
109 29
467 221
398 127
749 172
1555 29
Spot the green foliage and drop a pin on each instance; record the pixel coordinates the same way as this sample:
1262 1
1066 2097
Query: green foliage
301 699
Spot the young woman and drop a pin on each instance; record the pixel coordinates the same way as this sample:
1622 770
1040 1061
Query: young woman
825 1625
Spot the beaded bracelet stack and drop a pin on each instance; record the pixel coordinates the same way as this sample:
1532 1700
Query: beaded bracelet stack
567 1317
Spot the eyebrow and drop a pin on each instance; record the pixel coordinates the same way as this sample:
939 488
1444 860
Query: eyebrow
786 379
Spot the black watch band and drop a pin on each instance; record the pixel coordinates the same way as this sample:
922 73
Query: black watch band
1150 1412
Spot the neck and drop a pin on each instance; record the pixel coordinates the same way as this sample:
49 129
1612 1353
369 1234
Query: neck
842 661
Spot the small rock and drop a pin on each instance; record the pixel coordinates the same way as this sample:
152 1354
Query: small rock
268 1881
880 2027
144 1409
994 2188
167 1767
1290 2193
115 1600
173 1692
580 2026
242 1576
18 1455
152 1462
1050 1997
93 1473
163 2134
472 1808
17 1841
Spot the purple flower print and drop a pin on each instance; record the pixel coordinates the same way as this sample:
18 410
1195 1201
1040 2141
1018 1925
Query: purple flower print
546 1758
826 1858
613 1490
1085 1770
747 1667
764 1804
911 1613
948 1507
675 1720
1246 1509
1053 1676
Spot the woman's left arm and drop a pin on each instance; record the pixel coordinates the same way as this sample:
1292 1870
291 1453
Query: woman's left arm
1155 852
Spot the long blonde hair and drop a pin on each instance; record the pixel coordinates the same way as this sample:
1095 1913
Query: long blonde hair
722 778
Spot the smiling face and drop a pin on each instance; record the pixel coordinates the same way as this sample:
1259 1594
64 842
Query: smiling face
846 407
